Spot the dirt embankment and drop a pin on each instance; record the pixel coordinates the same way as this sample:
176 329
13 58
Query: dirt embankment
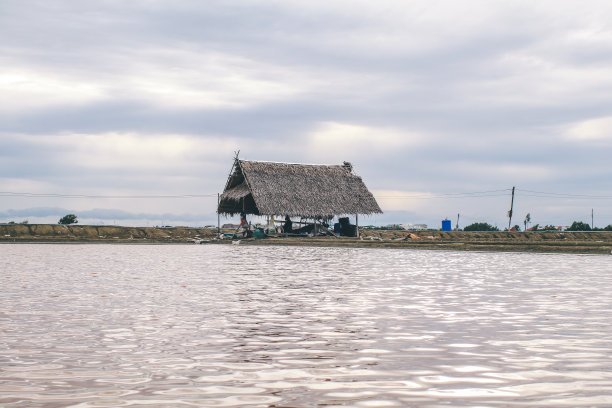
564 242
106 233
469 236
570 242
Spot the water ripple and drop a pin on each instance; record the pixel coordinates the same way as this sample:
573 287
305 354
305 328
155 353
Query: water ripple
231 326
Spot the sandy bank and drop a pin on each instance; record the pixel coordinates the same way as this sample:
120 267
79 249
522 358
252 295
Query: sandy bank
105 233
581 243
570 242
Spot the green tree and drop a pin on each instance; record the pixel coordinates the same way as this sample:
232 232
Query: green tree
549 228
608 228
516 227
480 226
68 219
579 226
527 221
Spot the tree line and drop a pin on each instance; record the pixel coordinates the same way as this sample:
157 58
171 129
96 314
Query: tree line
477 226
576 226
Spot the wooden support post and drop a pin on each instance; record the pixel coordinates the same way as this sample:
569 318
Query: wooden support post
357 225
218 216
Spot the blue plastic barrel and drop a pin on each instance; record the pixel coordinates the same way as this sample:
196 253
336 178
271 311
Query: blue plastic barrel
446 225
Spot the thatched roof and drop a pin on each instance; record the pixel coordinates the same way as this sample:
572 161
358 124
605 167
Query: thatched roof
306 190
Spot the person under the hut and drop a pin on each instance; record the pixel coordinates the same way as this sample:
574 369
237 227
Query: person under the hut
244 226
288 227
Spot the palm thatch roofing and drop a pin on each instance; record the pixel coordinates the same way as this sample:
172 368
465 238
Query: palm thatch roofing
304 190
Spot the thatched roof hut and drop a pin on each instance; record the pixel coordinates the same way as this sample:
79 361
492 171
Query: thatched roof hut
304 190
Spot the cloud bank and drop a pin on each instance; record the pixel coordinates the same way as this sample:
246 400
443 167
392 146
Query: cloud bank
433 98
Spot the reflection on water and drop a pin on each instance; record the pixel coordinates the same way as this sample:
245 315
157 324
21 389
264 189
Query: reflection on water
231 326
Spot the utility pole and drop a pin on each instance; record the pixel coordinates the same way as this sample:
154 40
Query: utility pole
457 225
592 225
510 212
218 216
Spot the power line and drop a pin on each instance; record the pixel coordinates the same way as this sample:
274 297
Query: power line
432 197
498 193
492 193
489 193
475 194
52 195
531 193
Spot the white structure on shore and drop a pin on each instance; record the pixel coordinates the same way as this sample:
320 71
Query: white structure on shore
414 227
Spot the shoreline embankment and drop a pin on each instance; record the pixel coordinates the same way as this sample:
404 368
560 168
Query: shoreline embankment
596 242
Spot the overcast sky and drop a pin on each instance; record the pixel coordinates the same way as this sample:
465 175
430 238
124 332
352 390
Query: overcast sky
429 100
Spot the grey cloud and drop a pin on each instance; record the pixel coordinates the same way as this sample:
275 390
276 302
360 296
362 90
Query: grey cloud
34 212
269 121
477 83
101 214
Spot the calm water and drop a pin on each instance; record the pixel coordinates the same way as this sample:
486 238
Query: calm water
232 326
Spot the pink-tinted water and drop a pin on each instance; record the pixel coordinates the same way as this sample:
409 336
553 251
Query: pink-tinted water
232 326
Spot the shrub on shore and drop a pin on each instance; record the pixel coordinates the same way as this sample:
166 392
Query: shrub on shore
480 226
68 219
579 226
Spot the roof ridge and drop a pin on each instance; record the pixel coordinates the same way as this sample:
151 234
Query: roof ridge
297 164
